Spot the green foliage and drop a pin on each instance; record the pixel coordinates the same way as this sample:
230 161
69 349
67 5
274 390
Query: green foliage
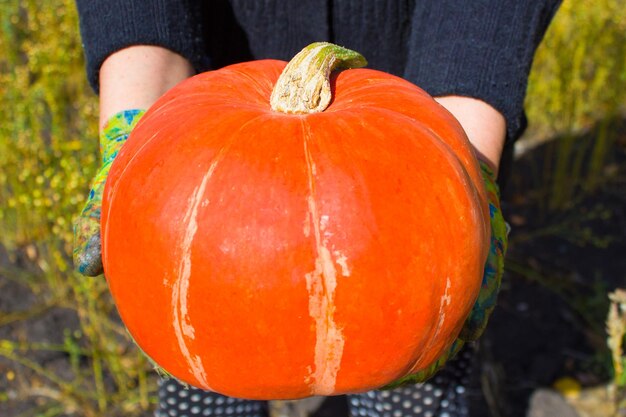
46 128
579 73
578 80
48 153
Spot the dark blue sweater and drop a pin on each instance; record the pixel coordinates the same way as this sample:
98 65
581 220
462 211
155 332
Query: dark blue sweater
477 48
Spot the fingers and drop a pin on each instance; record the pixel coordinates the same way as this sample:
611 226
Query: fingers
87 246
494 266
89 260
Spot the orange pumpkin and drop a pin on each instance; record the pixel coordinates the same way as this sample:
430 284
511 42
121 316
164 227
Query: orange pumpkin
266 253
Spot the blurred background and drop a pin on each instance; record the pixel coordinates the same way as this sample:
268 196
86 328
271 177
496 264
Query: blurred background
555 345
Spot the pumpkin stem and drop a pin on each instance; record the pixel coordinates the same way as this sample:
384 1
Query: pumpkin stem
304 85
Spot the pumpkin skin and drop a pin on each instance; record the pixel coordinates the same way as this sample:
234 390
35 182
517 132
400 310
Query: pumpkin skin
266 255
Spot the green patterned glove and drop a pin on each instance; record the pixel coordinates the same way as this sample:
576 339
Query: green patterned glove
486 301
494 267
87 246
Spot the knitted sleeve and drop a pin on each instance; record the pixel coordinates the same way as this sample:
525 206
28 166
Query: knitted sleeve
107 26
480 48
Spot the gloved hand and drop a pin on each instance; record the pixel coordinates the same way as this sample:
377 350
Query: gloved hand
494 267
87 246
492 277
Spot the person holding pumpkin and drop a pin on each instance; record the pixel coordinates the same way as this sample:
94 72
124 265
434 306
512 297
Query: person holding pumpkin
474 58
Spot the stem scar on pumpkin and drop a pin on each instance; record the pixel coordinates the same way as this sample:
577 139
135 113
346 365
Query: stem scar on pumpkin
304 85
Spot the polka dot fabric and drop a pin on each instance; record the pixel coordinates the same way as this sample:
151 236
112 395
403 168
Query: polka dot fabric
444 395
175 400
